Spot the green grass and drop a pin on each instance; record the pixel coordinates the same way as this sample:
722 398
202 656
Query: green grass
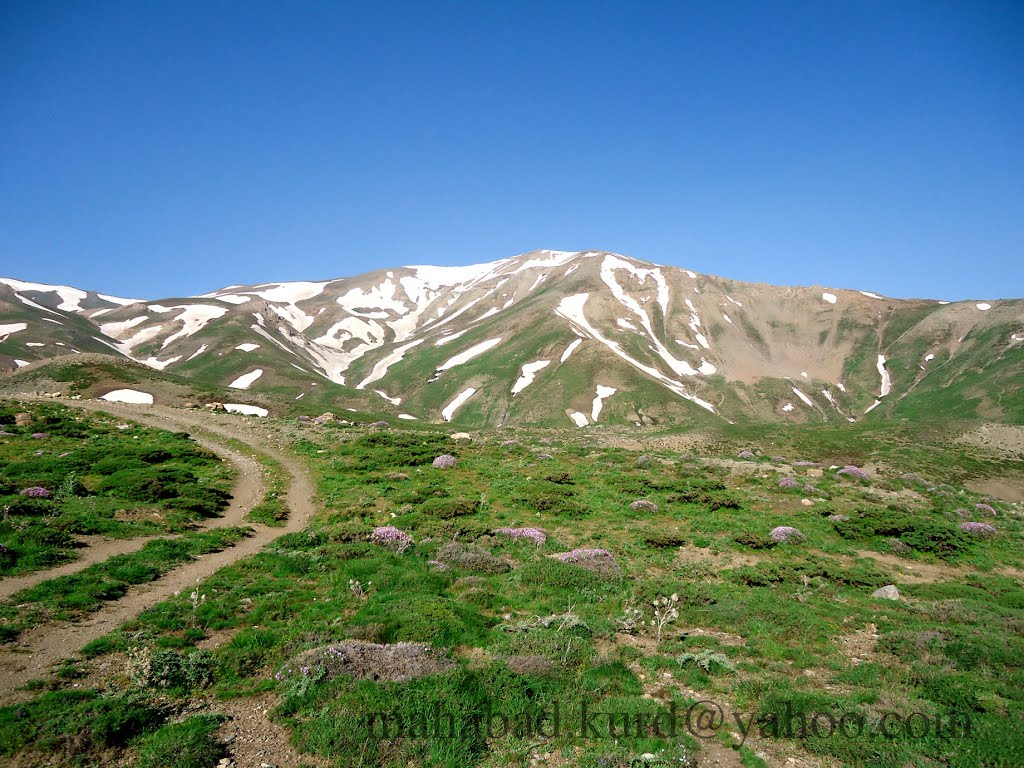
98 479
762 628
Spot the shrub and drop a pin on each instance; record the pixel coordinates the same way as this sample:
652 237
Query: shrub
643 505
985 509
536 535
600 561
978 530
392 538
664 540
755 540
786 534
470 557
449 508
191 743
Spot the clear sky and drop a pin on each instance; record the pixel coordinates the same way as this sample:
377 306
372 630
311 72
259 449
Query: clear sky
158 149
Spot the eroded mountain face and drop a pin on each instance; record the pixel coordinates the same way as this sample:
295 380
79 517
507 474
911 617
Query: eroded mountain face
553 337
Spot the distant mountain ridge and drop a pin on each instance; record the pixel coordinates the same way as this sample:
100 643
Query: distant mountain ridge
553 337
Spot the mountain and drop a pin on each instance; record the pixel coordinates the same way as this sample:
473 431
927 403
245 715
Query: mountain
553 337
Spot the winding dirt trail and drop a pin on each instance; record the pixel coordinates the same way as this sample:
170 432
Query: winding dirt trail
39 649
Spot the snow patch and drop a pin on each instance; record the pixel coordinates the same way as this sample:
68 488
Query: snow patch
529 372
34 344
233 298
727 318
469 354
602 392
128 396
159 365
929 357
445 339
7 330
380 370
21 363
886 381
579 419
983 306
248 347
245 380
198 352
870 295
623 323
193 318
829 297
707 368
246 410
286 293
407 416
788 407
570 349
873 406
454 405
69 297
802 396
386 396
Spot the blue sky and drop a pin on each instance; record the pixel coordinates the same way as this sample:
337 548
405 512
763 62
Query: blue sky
162 149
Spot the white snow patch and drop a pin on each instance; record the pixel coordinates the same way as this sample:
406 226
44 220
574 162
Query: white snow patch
602 393
983 306
7 330
1017 337
707 368
873 406
34 344
702 341
115 330
381 368
570 349
529 372
802 396
233 298
294 316
386 396
691 274
159 365
540 279
687 344
623 323
870 295
727 318
21 363
245 380
737 303
193 318
69 297
445 339
469 354
300 395
886 381
841 387
454 405
407 416
828 396
58 322
788 407
804 374
829 297
248 347
246 410
929 357
286 293
579 419
198 352
128 396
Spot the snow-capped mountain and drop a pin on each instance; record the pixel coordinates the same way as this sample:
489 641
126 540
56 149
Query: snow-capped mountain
551 337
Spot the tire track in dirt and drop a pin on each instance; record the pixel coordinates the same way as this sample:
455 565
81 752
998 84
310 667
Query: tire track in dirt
39 649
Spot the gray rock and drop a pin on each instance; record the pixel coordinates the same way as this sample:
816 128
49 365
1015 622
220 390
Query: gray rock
888 592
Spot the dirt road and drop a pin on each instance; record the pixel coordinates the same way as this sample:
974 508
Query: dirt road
39 649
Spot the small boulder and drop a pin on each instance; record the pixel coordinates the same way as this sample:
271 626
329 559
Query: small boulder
643 505
445 461
888 592
462 437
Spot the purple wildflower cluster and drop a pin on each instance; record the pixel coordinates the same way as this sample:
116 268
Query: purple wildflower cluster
437 565
36 492
536 535
910 477
853 471
286 673
980 530
785 533
746 454
445 461
985 509
961 512
778 458
39 435
643 505
788 482
806 464
583 555
391 537
838 518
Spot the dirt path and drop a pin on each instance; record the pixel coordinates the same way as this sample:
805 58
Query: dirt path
39 649
247 492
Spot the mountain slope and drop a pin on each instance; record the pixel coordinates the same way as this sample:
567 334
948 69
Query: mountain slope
561 338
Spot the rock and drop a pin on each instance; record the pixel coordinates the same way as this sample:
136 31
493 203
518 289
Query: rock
807 502
462 437
23 419
643 505
888 592
214 406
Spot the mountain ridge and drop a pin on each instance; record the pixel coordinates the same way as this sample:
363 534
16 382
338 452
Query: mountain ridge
658 340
